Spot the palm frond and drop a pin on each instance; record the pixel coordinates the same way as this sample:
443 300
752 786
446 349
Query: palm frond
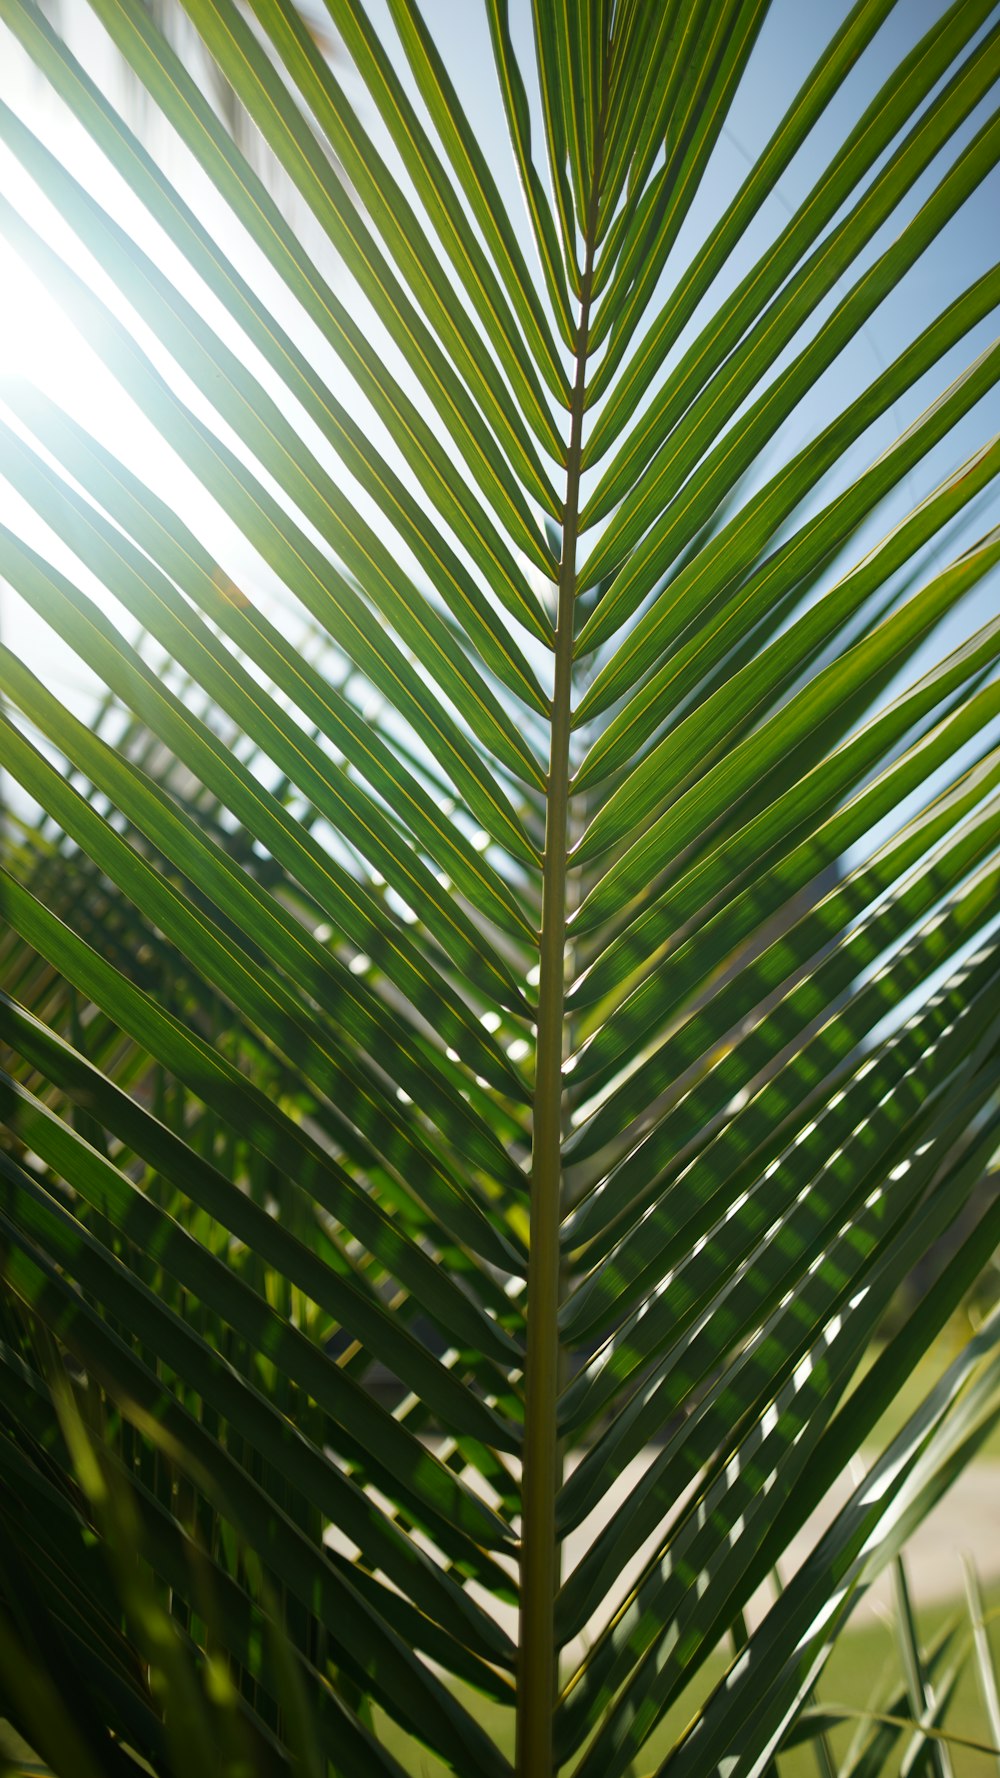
504 989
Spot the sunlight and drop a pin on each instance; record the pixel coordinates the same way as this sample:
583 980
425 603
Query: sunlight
37 341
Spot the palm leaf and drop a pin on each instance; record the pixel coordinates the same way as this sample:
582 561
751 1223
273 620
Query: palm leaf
503 990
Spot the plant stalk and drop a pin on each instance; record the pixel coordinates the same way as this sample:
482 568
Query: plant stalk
542 1459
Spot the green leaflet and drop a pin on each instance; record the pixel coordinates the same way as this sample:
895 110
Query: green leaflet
985 1669
817 701
54 1537
343 898
307 964
921 1700
765 592
773 836
352 1094
741 542
276 444
519 125
386 204
692 1042
640 1706
473 172
809 103
880 123
470 167
813 1360
275 1009
248 1222
263 218
299 563
831 1210
628 1188
694 115
223 1086
656 73
370 1645
833 1560
167 541
648 1008
720 463
399 1460
683 1142
282 126
554 100
279 349
147 592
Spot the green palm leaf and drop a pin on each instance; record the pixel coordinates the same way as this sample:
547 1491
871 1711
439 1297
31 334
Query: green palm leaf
501 989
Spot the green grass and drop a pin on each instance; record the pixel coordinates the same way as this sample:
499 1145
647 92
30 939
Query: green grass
868 1656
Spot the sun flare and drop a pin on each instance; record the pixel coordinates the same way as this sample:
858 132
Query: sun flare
38 342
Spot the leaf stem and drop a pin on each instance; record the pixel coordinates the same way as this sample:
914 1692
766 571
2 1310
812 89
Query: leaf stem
542 1462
